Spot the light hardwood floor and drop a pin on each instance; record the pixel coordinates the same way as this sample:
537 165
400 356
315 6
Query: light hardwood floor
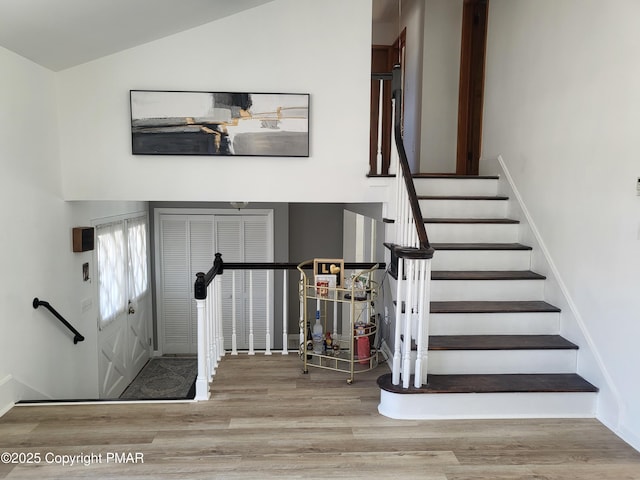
268 420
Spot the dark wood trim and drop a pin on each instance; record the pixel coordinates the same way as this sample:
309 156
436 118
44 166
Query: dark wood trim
383 57
494 383
471 96
493 307
480 246
294 265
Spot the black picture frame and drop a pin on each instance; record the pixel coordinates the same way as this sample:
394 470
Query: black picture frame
219 123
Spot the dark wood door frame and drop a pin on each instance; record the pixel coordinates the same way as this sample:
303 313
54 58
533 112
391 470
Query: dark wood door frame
471 98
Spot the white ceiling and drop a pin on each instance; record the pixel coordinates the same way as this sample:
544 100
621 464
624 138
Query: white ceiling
59 34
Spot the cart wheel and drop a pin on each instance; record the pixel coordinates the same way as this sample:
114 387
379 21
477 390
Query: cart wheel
349 381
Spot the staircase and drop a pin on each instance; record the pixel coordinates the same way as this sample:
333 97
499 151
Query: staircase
494 344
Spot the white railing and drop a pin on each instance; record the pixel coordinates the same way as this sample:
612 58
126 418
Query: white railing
218 296
210 339
413 254
215 309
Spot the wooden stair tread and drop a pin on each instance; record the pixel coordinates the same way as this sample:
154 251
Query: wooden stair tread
480 246
497 221
500 342
486 275
495 383
492 307
462 197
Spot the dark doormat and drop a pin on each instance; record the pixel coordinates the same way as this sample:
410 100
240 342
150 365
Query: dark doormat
164 378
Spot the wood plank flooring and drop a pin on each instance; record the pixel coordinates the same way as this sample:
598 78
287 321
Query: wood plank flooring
266 419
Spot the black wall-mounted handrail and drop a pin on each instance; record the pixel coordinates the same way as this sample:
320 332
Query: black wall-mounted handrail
41 303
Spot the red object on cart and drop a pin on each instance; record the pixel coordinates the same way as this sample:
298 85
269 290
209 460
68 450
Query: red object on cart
363 346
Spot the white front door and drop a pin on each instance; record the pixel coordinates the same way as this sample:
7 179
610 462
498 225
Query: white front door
125 304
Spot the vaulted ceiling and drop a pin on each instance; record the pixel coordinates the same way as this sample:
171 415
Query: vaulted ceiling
60 34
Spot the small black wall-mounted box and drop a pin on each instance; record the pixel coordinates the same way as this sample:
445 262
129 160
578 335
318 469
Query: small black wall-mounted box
83 239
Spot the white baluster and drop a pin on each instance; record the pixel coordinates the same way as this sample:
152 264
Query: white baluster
395 369
380 133
426 319
406 354
420 354
268 316
285 312
393 161
301 318
234 338
251 350
219 319
210 348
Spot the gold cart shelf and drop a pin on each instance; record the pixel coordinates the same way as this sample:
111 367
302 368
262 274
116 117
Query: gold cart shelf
360 297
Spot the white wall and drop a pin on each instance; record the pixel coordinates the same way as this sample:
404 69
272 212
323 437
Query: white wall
37 354
296 46
440 85
562 107
412 20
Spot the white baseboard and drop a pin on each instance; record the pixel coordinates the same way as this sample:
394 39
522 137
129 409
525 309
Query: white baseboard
7 394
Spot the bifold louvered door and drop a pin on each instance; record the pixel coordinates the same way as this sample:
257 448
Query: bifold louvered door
246 238
187 245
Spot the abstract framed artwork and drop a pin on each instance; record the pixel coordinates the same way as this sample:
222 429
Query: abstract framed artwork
219 123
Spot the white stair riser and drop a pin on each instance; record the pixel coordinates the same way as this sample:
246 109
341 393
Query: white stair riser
486 290
449 362
472 232
481 260
487 405
463 208
455 186
538 323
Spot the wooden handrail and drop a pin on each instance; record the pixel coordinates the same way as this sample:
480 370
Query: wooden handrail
294 266
203 280
396 95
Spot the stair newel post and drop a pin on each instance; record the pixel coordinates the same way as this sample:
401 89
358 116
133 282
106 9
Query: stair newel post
202 383
395 368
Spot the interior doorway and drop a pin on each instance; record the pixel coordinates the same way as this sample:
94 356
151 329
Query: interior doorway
471 101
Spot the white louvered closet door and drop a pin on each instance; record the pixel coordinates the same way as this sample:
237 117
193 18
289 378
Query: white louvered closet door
246 238
187 245
187 248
